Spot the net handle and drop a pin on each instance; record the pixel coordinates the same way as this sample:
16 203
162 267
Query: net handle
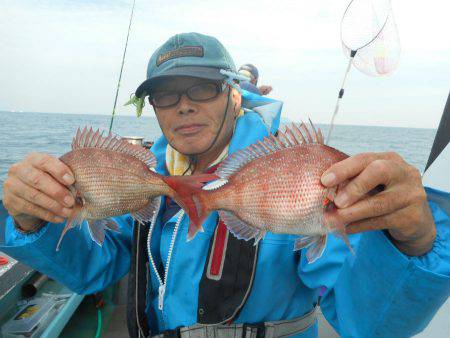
340 95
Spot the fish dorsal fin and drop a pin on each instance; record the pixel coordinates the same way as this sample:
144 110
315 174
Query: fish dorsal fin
87 138
300 134
293 136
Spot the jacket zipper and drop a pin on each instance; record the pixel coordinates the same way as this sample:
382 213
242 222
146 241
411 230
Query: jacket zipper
163 281
155 215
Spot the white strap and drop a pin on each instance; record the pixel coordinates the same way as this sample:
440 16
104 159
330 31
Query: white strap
276 329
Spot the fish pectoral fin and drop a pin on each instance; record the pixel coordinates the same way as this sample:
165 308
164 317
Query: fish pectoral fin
334 223
97 229
305 241
260 236
146 213
343 235
72 222
110 224
239 228
315 244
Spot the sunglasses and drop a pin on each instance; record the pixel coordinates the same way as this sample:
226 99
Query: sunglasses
198 93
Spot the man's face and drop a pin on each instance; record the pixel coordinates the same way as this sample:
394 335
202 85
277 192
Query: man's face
190 126
245 72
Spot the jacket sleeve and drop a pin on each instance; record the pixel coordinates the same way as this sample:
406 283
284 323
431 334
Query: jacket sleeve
80 264
380 292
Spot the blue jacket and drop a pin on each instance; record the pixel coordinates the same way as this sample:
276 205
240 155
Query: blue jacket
377 292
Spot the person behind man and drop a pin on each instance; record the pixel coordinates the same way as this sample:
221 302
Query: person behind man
217 285
251 71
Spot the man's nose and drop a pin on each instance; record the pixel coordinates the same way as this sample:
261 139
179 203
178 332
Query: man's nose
185 105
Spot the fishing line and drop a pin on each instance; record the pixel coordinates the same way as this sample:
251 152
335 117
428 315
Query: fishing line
221 124
121 68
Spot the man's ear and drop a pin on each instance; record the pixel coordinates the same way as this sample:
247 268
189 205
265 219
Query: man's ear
236 99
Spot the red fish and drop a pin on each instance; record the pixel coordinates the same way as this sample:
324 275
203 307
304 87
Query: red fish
273 185
112 177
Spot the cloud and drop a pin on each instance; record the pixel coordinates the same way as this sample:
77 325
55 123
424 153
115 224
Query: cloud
65 56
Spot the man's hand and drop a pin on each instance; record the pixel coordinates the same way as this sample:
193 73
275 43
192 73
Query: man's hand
264 90
401 207
36 190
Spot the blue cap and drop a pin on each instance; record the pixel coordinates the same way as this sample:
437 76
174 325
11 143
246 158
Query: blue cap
187 54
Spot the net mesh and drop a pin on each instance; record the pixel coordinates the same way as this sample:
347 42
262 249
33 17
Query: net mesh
368 27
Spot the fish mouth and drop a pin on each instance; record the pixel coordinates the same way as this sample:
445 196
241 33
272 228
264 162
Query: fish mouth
189 129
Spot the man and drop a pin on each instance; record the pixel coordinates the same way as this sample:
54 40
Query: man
251 71
391 287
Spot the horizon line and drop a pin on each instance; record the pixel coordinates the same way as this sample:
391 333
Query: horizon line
154 117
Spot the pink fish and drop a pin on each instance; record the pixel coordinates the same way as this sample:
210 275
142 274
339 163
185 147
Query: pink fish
112 177
273 185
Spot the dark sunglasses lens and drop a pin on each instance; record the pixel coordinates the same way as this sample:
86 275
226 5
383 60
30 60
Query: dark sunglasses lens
203 92
165 99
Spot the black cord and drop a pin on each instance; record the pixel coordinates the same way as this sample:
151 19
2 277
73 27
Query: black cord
193 158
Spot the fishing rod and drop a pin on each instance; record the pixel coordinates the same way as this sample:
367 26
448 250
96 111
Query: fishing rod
121 67
435 176
442 138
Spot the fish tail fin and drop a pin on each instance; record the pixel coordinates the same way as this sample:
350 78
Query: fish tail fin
190 196
315 246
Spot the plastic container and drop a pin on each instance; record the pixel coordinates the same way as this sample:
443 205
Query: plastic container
31 319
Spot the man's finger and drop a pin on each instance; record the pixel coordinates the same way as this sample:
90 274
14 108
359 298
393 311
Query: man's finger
398 219
53 166
347 169
46 184
378 172
384 203
30 209
38 198
375 223
352 166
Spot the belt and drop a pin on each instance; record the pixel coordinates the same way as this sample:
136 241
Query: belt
276 329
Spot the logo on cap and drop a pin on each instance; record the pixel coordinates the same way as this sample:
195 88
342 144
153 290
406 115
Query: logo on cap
196 51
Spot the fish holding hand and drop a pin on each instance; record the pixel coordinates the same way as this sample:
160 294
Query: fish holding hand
273 185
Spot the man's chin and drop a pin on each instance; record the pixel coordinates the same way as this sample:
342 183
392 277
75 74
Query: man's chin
191 149
192 152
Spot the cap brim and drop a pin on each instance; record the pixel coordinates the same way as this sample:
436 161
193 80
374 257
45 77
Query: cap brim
208 73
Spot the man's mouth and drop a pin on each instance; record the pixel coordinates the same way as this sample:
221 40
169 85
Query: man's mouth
188 129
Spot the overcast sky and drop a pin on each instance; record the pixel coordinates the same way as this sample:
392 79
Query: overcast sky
64 56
